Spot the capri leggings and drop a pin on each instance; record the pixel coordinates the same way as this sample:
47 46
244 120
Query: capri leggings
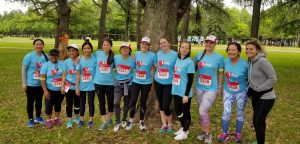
164 96
205 100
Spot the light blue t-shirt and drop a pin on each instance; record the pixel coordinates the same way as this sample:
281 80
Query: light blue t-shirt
207 74
34 64
104 73
53 74
124 68
165 67
144 63
180 78
87 68
236 76
70 69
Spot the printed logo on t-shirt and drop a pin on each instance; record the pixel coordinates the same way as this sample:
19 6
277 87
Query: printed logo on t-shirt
139 63
141 75
86 75
123 69
54 72
38 65
203 64
161 62
176 79
104 67
228 74
56 82
205 80
163 73
71 71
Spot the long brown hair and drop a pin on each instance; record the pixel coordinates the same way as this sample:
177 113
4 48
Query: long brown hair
111 54
257 44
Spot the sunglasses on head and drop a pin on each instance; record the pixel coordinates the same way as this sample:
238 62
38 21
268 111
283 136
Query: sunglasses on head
209 42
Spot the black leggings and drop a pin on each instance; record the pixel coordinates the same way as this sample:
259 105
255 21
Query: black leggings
261 108
183 111
164 96
71 98
101 91
56 98
91 97
34 94
135 90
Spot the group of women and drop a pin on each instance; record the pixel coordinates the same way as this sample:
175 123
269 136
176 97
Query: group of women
82 76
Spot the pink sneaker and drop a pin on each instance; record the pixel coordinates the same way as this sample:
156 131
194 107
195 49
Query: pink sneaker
238 137
57 121
223 137
49 124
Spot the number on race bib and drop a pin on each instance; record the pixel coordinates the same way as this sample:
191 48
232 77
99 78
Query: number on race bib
163 73
176 79
56 82
205 80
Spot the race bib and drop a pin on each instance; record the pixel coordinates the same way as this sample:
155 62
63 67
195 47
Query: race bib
56 82
163 73
86 77
36 74
103 67
233 86
176 79
205 80
141 75
123 69
67 86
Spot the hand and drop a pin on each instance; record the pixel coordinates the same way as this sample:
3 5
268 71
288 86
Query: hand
62 90
185 99
77 92
47 94
24 88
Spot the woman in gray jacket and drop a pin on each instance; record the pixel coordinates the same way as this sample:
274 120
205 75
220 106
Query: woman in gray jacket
262 78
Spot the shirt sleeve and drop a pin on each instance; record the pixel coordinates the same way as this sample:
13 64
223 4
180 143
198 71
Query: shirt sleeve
26 60
221 63
44 69
269 71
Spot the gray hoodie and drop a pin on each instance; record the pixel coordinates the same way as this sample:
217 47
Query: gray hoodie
262 75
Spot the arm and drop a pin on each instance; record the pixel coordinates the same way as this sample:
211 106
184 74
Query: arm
63 81
44 86
188 87
77 83
24 76
221 76
269 71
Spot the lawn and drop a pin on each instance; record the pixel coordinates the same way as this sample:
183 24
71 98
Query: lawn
282 124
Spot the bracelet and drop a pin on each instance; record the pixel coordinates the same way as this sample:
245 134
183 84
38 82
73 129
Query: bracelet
220 86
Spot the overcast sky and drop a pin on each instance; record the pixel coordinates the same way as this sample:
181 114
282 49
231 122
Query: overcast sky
9 6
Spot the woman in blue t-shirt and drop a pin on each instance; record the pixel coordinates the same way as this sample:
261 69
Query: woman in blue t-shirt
31 85
104 82
84 84
235 89
166 59
181 89
124 66
142 81
51 81
68 85
208 83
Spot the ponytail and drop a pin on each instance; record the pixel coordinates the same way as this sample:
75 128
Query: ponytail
110 58
45 55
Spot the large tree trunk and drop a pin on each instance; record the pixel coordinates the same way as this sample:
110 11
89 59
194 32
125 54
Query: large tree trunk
298 40
185 24
138 24
102 23
161 19
255 18
64 12
127 21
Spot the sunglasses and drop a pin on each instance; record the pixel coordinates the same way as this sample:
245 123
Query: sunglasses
209 42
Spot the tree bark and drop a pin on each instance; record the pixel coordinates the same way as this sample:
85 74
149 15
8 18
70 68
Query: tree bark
127 21
255 18
298 40
185 24
102 23
161 19
64 12
138 24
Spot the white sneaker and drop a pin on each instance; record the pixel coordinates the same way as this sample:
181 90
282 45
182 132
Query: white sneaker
129 125
142 126
207 138
124 124
182 136
179 131
117 127
201 136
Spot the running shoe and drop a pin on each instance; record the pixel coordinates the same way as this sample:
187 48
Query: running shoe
129 125
181 136
117 127
142 126
90 124
39 120
70 123
30 123
223 137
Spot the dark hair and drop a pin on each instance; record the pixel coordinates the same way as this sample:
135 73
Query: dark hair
257 44
129 49
111 54
190 48
165 39
239 48
38 39
75 49
87 43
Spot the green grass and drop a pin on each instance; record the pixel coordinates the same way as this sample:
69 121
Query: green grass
282 124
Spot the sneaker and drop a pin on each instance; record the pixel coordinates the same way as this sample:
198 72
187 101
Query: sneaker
39 120
57 121
142 126
169 130
129 125
109 122
50 124
90 124
182 136
223 137
80 124
207 138
124 124
238 137
30 123
105 124
179 131
201 136
77 120
70 123
117 127
162 129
